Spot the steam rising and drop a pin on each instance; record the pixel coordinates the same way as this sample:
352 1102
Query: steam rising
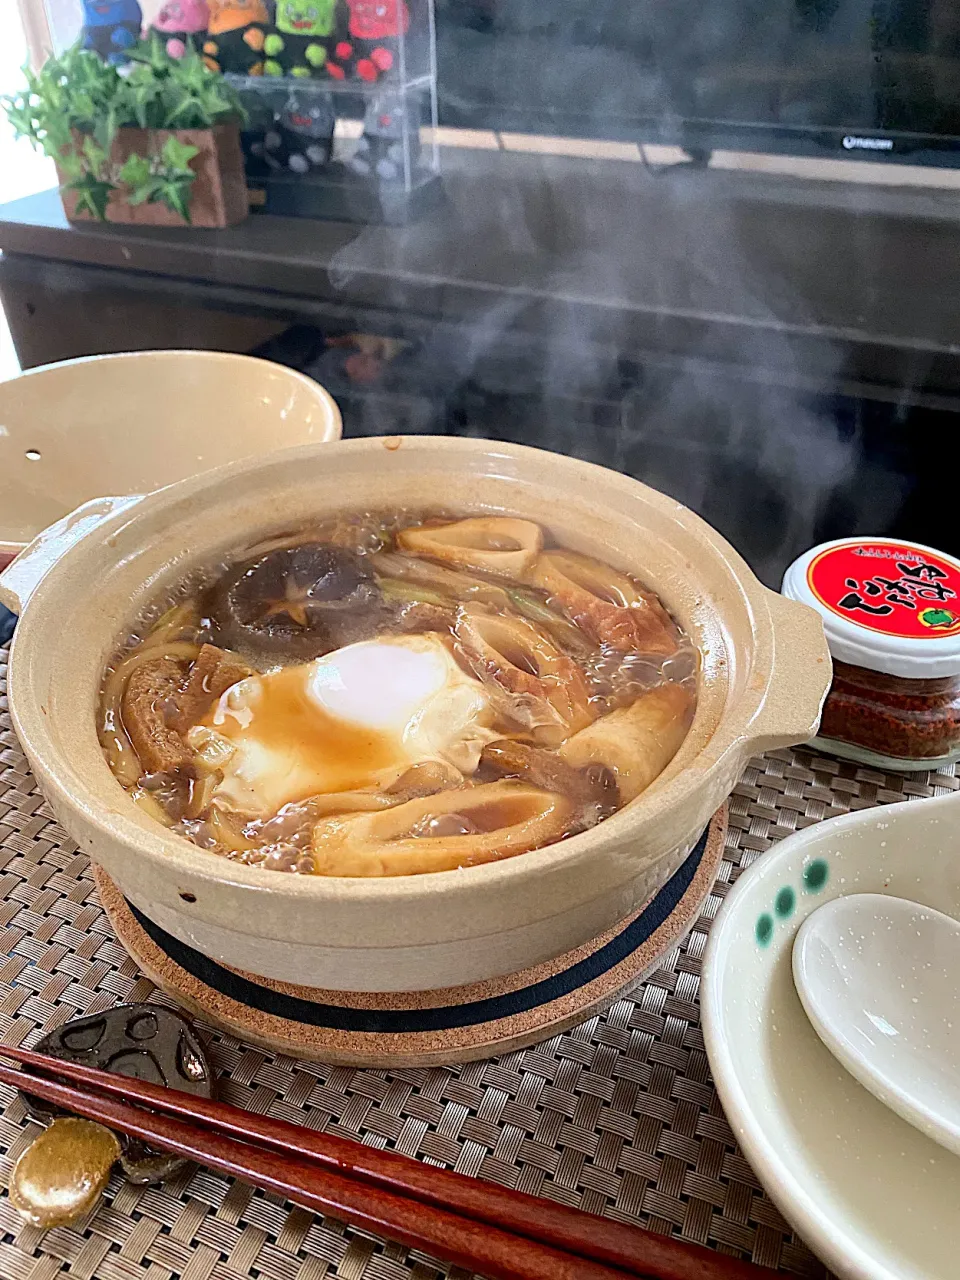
640 320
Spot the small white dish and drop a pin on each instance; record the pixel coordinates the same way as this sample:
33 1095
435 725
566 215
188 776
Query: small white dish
132 422
877 977
874 1197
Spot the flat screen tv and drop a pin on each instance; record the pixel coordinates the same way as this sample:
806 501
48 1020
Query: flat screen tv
874 79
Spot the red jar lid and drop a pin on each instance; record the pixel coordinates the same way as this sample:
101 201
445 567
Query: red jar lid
888 605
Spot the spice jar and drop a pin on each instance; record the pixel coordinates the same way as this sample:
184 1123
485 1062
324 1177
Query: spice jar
891 613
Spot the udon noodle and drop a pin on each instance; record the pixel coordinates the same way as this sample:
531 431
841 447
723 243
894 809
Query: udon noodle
390 694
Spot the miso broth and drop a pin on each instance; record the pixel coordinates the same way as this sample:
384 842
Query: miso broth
394 693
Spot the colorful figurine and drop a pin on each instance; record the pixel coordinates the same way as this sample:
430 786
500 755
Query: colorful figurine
235 36
374 27
301 138
111 27
298 47
182 23
378 19
389 127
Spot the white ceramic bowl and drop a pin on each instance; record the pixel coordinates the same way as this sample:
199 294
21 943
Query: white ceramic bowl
874 1197
765 673
130 423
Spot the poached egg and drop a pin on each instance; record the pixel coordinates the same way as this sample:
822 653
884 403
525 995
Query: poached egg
356 718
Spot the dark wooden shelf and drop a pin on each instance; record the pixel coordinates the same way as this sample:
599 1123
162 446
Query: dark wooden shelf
809 281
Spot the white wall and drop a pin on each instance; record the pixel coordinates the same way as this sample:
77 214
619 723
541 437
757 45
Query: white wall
22 171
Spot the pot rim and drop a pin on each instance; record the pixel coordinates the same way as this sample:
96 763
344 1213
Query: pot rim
731 735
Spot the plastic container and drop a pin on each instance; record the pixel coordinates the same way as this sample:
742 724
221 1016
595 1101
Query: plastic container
341 95
319 150
891 613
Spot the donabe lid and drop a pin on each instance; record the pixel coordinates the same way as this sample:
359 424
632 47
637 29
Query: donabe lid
888 605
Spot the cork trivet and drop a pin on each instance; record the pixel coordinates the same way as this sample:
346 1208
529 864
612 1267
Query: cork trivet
425 1028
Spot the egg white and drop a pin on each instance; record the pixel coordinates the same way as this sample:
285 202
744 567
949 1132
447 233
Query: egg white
356 718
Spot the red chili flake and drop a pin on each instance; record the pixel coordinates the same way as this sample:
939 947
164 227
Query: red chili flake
335 71
366 70
383 58
344 50
892 715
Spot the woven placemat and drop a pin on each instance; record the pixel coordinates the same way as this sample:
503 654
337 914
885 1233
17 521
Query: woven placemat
617 1116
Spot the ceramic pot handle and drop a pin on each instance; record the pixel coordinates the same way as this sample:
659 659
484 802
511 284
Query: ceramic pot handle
21 578
800 677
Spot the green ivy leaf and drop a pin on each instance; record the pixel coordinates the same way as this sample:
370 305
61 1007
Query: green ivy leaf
192 71
78 93
186 114
94 155
176 156
135 171
84 107
71 164
105 129
145 102
152 53
93 195
175 194
148 192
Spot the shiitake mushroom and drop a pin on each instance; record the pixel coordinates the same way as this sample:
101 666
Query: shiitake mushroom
292 602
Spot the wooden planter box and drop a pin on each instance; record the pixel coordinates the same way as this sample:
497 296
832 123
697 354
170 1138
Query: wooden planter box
219 194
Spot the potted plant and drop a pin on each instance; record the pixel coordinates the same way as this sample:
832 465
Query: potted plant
156 142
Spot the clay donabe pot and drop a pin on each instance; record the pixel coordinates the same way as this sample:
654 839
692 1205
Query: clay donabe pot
766 671
218 196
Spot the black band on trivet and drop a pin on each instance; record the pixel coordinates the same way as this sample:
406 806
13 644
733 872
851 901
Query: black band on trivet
406 1021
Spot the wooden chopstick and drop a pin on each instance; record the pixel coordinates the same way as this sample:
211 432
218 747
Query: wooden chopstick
462 1241
638 1252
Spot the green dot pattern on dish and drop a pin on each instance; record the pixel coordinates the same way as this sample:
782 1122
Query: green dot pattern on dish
815 875
765 929
784 902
